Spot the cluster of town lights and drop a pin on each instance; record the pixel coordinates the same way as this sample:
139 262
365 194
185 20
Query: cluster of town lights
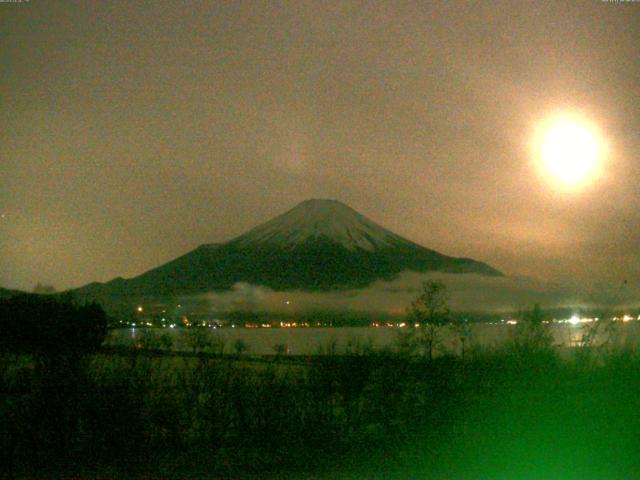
185 321
576 320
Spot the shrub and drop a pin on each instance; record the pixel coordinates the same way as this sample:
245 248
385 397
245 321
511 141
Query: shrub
48 324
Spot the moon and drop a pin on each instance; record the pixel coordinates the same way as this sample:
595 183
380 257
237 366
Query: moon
570 150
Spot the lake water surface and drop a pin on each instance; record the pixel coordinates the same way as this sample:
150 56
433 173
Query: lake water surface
305 341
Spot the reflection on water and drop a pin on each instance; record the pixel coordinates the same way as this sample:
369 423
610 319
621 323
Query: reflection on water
303 341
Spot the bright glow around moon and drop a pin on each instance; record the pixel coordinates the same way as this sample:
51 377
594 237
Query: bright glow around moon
570 150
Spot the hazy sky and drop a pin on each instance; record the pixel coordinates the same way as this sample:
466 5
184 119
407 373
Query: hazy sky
131 132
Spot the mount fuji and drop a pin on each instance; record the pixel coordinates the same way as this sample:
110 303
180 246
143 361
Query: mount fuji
317 245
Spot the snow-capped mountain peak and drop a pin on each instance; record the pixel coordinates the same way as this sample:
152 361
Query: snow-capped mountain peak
321 218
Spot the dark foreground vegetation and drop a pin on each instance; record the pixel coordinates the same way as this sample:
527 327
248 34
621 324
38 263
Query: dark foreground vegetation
517 412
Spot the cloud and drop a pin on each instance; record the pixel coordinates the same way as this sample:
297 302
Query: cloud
243 296
468 292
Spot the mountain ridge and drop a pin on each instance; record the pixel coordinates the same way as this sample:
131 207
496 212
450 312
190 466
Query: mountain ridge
319 244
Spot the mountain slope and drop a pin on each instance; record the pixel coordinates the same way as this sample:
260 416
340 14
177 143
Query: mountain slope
5 293
317 245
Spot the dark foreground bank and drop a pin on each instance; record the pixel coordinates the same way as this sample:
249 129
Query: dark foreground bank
69 408
509 413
